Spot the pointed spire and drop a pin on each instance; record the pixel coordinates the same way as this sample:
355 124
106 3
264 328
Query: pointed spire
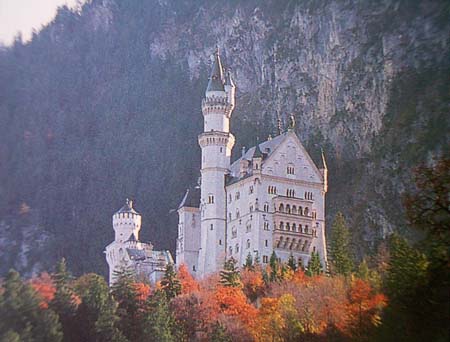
324 163
258 153
216 79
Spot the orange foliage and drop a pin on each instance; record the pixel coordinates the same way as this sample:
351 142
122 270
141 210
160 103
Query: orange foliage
142 291
232 302
253 284
45 288
188 283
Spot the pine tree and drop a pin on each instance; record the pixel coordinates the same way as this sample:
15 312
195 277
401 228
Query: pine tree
159 322
64 301
314 265
97 314
170 283
340 257
22 317
276 272
249 262
230 275
291 263
219 334
125 293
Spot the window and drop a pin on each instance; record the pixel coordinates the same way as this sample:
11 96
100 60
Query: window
210 199
294 227
306 212
306 229
266 243
193 268
265 259
211 227
238 195
290 193
229 198
281 226
248 228
290 169
266 225
266 207
221 149
288 226
230 250
251 208
233 232
272 190
288 209
281 208
250 190
237 213
220 242
300 211
229 216
236 248
248 243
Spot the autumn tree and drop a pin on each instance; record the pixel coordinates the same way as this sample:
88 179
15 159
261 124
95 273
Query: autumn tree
22 315
340 257
188 283
44 287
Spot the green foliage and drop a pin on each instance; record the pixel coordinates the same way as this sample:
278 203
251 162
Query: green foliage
314 265
159 322
230 275
22 317
170 283
64 301
249 262
219 333
292 263
340 255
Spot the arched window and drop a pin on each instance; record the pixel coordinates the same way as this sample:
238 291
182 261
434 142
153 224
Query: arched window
288 227
266 207
306 229
300 211
300 228
281 208
236 249
306 212
266 225
281 226
250 190
248 243
288 209
294 209
294 227
266 243
237 213
233 232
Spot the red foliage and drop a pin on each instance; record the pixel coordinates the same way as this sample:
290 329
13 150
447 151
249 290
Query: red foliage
142 291
188 283
45 288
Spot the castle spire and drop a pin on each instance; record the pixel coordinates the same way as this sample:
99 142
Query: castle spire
216 78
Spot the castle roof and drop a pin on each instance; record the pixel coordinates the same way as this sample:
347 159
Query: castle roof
127 208
216 78
191 198
136 254
132 237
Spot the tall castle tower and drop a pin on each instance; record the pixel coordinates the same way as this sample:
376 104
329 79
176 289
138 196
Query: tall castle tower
216 143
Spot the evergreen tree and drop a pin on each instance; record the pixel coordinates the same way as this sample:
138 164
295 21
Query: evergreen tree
159 322
276 272
22 318
314 265
340 257
129 311
291 263
249 262
63 302
170 283
97 314
230 275
219 334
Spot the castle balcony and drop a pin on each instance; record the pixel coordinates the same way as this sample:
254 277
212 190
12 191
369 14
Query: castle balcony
292 241
293 206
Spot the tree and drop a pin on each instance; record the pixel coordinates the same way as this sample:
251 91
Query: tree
291 263
219 333
170 283
188 283
96 316
64 302
340 257
130 309
159 322
230 275
314 265
248 261
23 318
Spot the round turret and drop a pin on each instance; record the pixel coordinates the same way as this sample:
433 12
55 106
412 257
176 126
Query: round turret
127 223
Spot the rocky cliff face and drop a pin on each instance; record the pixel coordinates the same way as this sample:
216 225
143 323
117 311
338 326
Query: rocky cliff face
108 86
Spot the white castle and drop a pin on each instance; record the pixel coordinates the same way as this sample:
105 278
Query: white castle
127 251
271 199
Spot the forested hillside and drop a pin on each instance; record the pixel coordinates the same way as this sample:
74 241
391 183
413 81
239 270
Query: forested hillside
104 104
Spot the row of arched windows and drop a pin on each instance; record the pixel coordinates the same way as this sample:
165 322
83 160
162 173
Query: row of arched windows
292 227
293 210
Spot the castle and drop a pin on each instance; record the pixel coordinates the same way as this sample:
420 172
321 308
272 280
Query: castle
127 251
270 199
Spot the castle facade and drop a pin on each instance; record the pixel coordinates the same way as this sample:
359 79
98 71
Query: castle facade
270 199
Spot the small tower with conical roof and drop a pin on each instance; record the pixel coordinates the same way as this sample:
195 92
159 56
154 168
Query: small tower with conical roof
216 143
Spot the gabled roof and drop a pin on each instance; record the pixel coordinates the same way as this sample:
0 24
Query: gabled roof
216 78
132 237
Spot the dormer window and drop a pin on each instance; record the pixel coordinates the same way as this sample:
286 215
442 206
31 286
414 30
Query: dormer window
290 169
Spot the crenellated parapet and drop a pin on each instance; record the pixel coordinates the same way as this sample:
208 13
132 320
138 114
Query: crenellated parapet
216 138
